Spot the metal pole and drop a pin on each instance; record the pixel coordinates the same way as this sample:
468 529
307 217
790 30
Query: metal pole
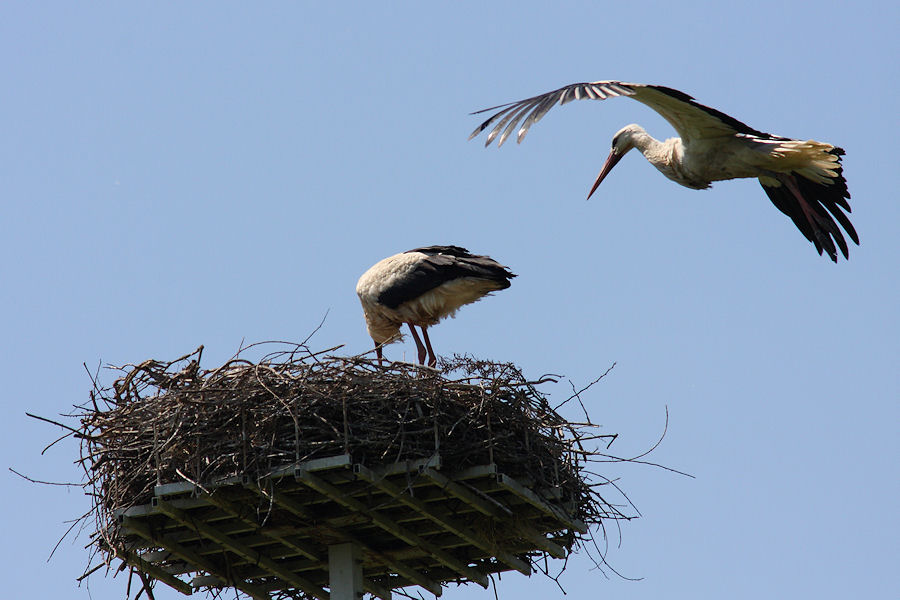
345 572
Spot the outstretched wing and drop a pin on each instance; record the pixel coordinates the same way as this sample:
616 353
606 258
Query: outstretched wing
690 119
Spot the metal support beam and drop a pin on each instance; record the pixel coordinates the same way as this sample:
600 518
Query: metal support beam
380 531
188 555
206 581
482 503
393 527
539 541
235 511
524 493
157 573
299 510
329 462
234 528
427 583
445 521
242 550
410 466
345 572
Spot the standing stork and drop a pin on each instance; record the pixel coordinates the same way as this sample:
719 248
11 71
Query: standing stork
803 179
421 287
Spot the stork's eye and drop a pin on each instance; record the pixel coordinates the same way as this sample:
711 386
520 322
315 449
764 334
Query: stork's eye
615 141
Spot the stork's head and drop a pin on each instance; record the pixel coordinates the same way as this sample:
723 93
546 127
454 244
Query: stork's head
382 331
622 142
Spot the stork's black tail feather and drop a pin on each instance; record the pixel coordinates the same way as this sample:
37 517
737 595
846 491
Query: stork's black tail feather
826 201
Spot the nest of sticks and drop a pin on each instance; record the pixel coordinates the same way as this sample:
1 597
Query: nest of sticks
165 422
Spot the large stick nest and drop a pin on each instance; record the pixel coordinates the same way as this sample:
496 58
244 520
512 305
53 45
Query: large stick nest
164 422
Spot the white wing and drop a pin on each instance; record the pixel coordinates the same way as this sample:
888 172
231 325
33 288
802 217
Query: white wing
690 119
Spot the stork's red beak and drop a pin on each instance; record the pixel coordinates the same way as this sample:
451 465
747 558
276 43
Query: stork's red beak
611 161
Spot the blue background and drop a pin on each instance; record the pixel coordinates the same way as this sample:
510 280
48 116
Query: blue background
177 174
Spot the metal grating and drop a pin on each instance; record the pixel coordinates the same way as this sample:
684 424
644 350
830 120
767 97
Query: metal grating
414 523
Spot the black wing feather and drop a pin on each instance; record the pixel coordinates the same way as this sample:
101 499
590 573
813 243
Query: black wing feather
443 264
826 201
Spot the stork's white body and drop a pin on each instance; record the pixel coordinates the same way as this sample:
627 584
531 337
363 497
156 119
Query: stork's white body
803 179
383 322
698 164
422 286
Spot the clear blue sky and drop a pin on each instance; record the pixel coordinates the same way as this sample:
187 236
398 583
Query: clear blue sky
176 174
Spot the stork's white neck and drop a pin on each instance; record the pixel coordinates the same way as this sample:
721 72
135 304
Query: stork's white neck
659 154
667 156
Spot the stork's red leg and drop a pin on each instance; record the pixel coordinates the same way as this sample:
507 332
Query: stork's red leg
419 346
432 361
820 226
791 184
379 354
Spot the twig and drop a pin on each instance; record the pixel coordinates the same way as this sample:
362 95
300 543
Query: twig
26 478
52 422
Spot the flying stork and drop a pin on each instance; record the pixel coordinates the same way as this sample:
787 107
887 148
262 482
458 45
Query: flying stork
421 287
803 179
